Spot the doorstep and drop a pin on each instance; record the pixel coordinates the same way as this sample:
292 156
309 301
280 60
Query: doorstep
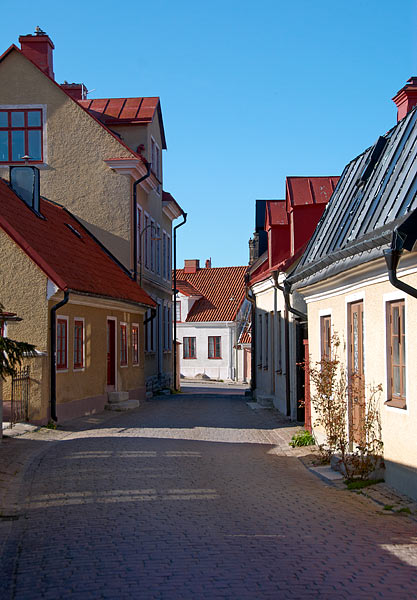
18 429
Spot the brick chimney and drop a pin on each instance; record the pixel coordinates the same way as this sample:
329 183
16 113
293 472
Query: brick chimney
208 263
406 98
191 266
78 91
39 49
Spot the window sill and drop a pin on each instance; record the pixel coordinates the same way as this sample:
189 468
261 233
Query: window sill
78 369
215 358
189 358
396 404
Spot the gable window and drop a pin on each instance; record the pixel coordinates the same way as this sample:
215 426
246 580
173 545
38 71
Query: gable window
78 344
123 344
396 354
20 135
156 159
62 343
135 344
189 347
214 346
325 338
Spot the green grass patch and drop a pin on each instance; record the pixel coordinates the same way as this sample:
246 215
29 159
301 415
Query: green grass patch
388 507
358 484
302 438
405 510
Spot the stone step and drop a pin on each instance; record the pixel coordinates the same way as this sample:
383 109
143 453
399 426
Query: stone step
265 401
115 397
123 405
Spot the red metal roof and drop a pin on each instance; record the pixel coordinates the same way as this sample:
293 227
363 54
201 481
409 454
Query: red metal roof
222 290
71 262
309 190
276 213
113 110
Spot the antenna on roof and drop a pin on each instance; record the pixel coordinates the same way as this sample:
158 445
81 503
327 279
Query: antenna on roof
89 91
39 31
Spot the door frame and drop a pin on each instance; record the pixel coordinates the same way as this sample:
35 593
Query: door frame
112 387
359 302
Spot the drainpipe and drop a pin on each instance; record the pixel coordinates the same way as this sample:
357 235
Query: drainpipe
53 354
184 215
392 258
286 344
287 290
135 221
252 299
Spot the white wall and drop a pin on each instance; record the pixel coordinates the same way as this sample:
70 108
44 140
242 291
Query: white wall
222 368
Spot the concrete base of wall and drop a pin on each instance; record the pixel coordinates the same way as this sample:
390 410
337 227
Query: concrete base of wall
80 408
402 478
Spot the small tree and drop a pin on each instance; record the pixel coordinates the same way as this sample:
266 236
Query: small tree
12 353
330 401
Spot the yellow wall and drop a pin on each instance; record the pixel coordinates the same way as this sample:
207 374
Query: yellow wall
398 425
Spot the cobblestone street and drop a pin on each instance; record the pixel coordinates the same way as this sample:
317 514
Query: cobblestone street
194 497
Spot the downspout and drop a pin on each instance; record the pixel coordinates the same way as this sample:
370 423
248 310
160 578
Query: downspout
252 300
287 345
184 215
53 354
135 221
392 258
287 290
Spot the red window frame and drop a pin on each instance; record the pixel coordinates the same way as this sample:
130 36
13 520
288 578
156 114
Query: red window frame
123 344
61 344
135 344
26 128
78 344
189 348
215 352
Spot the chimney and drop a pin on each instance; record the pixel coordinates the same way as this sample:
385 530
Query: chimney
191 266
208 263
78 91
38 48
406 98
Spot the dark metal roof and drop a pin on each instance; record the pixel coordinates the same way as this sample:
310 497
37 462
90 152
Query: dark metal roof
375 192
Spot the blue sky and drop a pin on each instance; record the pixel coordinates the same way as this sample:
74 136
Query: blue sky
250 92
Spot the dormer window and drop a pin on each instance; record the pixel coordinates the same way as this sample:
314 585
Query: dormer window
21 135
156 159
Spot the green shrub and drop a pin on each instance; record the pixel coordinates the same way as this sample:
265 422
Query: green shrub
302 438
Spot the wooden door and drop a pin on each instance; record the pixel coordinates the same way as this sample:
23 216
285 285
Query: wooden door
356 391
111 352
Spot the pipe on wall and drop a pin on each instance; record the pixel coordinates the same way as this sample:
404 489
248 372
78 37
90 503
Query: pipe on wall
252 300
279 287
174 354
53 354
135 220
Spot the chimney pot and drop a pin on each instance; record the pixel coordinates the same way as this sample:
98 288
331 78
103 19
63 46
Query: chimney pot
78 91
208 263
406 98
191 266
39 49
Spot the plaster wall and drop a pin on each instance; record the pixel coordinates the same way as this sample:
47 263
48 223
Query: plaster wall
74 173
398 425
215 368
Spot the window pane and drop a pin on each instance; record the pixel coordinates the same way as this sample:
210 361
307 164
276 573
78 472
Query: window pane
404 386
18 145
395 315
18 119
4 145
395 351
396 381
35 151
3 119
34 118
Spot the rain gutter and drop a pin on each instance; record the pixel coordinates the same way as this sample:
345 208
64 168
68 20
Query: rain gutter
184 215
404 237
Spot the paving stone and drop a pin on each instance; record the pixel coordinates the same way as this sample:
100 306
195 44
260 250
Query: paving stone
191 496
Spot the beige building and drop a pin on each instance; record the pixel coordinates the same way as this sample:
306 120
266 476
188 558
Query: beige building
80 308
369 302
102 159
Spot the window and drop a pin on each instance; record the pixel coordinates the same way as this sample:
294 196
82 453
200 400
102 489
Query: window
169 328
189 347
135 344
145 259
325 338
279 342
266 341
214 347
140 227
62 343
156 159
168 258
123 344
164 251
260 342
20 135
178 311
396 354
152 229
78 343
158 250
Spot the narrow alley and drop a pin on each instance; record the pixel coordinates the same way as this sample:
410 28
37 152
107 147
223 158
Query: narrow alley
195 496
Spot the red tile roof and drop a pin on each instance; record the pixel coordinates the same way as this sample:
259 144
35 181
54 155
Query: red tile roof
73 263
187 289
309 190
222 290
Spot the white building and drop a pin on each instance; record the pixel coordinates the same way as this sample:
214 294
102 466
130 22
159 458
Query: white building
211 314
